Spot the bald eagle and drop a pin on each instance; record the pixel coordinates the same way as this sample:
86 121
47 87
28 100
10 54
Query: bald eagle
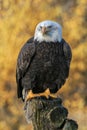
43 62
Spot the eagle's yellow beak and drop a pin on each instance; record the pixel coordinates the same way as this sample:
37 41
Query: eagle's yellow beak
43 30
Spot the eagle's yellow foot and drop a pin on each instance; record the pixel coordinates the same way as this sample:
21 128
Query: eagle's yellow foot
31 95
45 93
53 95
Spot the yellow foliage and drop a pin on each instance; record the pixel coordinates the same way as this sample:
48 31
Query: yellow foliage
18 19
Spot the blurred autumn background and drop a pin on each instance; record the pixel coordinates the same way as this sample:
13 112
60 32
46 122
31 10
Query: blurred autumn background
18 19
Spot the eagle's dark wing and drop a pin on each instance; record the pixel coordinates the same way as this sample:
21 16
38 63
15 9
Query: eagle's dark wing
67 53
23 62
65 64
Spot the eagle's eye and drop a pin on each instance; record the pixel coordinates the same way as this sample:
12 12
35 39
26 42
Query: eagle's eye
50 26
40 27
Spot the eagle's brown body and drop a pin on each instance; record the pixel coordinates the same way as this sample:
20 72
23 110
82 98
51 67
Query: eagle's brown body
43 65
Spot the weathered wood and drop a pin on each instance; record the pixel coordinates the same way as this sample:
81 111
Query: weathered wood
70 125
48 114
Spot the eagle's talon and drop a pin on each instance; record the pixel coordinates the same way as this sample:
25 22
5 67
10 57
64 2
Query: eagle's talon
31 95
45 93
53 96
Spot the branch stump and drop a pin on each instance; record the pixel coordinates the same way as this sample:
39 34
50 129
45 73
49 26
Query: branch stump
48 114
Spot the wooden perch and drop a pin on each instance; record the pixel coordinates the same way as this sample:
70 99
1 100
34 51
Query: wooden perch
48 115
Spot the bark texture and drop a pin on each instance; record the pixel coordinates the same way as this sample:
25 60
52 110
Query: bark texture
48 114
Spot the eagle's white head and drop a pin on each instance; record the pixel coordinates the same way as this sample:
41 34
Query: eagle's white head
48 31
